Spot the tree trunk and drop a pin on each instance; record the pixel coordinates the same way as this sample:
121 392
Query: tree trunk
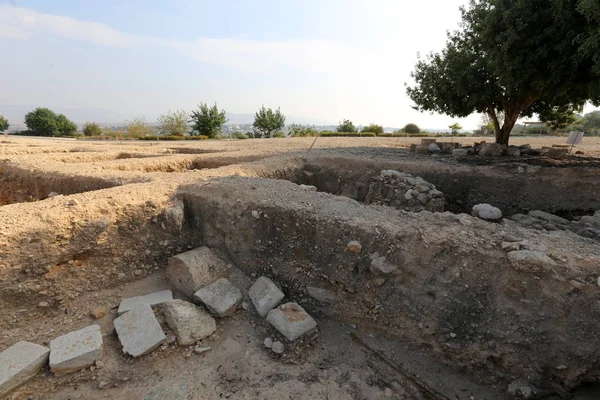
503 134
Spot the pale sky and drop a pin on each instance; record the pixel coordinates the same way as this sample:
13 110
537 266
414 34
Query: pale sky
324 60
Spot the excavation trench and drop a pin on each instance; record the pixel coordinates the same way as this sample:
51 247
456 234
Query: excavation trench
431 279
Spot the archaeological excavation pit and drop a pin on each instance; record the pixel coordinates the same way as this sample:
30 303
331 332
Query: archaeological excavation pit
441 284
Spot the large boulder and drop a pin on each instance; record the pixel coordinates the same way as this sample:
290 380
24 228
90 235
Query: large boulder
188 322
490 150
487 212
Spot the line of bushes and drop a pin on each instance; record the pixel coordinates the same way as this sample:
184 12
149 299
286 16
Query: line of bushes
348 134
173 137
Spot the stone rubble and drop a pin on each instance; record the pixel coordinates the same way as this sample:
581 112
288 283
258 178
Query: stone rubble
139 331
321 295
487 212
19 363
152 299
265 295
354 246
291 320
587 225
189 271
76 350
187 321
221 297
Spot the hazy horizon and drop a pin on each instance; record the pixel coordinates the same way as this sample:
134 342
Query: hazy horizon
317 61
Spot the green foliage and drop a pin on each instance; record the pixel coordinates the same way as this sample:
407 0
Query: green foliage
138 127
279 135
346 126
395 134
455 127
239 135
558 118
3 123
297 130
208 121
374 128
412 128
173 137
44 122
518 57
590 123
267 121
91 129
173 123
347 134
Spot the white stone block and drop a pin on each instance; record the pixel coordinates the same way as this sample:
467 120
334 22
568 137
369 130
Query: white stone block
75 350
220 297
152 299
19 363
139 331
265 295
291 320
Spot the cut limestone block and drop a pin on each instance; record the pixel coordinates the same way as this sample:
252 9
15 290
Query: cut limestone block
189 271
75 350
265 295
220 297
152 299
291 321
188 322
19 363
139 331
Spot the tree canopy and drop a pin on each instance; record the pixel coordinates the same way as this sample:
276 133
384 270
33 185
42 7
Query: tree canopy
173 123
91 129
346 126
138 127
374 128
208 121
3 123
412 128
267 122
45 122
516 57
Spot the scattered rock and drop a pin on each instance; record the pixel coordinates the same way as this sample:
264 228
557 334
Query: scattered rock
73 202
460 152
513 151
510 246
53 194
138 272
76 350
321 295
189 271
291 320
380 266
268 343
487 212
434 148
43 304
354 246
152 299
265 295
98 312
512 238
531 258
404 191
308 188
520 389
19 363
255 214
102 385
422 149
490 150
390 173
427 142
544 216
202 349
189 323
139 331
379 281
278 347
221 297
173 216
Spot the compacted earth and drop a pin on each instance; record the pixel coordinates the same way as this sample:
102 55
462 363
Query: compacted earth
416 295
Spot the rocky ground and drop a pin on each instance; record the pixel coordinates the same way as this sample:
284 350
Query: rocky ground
426 304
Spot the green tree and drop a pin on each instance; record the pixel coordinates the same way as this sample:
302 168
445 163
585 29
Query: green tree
590 124
138 127
65 126
297 130
455 127
208 121
518 57
412 128
267 122
3 123
374 128
91 129
173 123
557 118
42 122
346 126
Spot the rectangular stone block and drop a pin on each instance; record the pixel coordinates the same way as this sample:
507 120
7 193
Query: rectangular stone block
291 320
19 363
220 297
189 323
75 350
265 295
189 271
139 331
152 299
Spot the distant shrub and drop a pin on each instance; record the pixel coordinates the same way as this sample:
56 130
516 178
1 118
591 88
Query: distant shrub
279 135
422 134
199 137
174 137
297 130
412 128
396 134
91 129
346 126
374 128
239 135
348 134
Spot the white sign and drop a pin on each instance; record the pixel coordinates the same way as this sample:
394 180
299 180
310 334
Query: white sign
575 138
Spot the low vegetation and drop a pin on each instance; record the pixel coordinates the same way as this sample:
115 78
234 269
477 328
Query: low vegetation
3 123
91 129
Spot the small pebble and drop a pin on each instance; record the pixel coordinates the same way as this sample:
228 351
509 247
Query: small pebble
268 343
278 347
102 384
200 350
